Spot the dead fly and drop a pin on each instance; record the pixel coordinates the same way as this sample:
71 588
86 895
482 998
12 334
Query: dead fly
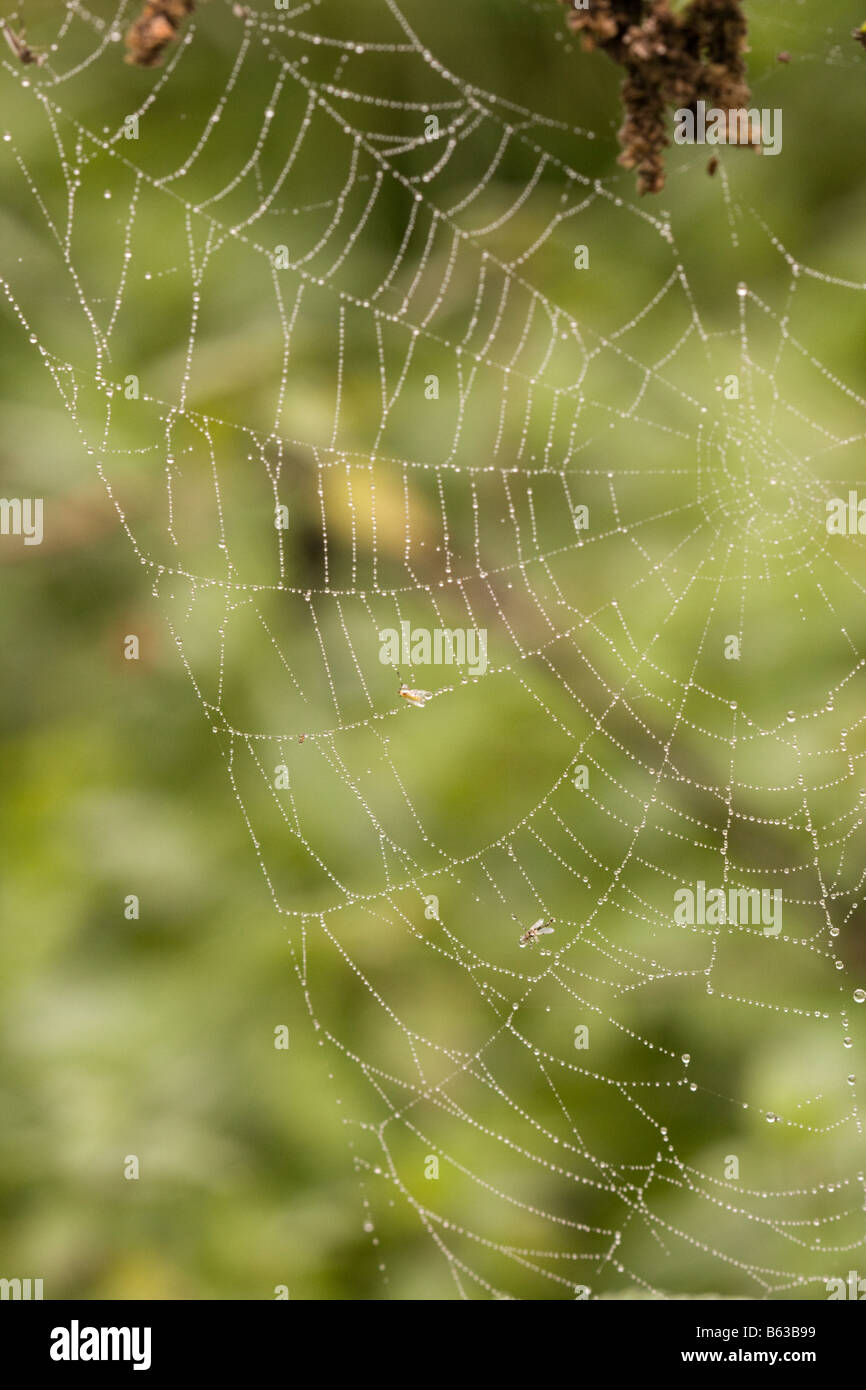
539 928
154 30
712 166
418 698
20 48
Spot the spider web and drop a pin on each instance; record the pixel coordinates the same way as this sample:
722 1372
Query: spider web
243 311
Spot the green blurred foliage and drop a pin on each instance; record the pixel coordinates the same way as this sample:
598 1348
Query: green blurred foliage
155 1037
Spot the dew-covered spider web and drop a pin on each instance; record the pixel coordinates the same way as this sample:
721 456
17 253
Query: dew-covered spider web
329 260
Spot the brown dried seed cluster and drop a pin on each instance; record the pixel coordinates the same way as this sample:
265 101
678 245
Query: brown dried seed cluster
154 29
671 59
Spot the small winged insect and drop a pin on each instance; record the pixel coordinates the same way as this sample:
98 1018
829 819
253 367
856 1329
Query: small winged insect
418 698
20 47
539 928
860 35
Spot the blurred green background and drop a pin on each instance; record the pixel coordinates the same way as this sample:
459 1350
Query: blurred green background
155 1037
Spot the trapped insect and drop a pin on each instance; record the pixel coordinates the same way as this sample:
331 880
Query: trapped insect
418 698
20 48
539 928
156 27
